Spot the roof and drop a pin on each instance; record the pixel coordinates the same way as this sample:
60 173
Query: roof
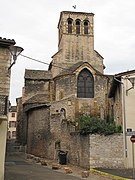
125 73
72 68
98 54
38 98
73 12
13 109
6 42
116 81
37 74
37 101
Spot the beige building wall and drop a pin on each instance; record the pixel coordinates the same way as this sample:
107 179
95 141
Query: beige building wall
129 114
12 115
4 91
5 60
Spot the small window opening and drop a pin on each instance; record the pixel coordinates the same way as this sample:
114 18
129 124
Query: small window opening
77 27
86 27
69 25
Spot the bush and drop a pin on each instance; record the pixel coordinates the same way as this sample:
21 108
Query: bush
94 125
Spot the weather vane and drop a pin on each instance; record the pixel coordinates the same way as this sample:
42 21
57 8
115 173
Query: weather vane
74 6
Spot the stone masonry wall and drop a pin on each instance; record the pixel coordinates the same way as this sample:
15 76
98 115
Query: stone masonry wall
38 131
76 146
106 151
5 59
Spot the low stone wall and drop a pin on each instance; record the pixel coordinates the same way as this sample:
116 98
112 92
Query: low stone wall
86 151
107 151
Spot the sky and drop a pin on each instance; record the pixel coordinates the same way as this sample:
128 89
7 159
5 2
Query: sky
33 26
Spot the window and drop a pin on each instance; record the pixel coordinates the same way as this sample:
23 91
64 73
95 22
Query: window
12 123
69 25
86 27
78 26
85 84
13 114
13 134
9 135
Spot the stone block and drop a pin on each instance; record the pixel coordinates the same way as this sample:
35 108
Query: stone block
68 170
85 174
43 163
55 166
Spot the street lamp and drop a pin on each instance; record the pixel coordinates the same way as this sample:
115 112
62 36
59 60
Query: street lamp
15 51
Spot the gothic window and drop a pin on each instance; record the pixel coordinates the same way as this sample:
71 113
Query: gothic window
77 26
69 25
85 27
85 84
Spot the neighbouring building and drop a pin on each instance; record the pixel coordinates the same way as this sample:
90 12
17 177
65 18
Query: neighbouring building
123 94
5 61
12 116
74 84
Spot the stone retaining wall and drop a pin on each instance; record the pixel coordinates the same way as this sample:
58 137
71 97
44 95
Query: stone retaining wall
107 151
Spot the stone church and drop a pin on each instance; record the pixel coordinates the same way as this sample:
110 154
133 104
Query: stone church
74 84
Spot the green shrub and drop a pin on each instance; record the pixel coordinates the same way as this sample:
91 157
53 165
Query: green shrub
94 125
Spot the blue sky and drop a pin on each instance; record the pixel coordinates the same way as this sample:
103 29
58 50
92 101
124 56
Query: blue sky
33 25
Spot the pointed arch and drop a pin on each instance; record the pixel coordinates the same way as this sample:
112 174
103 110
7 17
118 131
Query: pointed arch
85 84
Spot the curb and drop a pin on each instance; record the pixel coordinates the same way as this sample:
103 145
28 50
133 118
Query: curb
109 175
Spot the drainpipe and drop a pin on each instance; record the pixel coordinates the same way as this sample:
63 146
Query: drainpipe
124 118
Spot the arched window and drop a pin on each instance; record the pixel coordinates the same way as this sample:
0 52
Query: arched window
85 84
77 26
70 25
86 27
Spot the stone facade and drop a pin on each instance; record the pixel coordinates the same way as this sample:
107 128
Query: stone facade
38 144
74 84
76 46
5 60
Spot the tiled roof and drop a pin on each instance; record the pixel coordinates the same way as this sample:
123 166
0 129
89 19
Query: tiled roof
72 68
13 109
6 42
38 98
37 74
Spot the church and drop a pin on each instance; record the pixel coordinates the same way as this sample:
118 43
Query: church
73 85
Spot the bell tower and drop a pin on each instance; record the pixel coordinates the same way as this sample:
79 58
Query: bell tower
76 36
76 42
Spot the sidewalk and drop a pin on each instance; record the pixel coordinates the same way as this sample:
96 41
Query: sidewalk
123 173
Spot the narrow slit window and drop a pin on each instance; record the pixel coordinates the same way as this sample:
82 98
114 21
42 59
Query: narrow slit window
77 26
69 25
86 27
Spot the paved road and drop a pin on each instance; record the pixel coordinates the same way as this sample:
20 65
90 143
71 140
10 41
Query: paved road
18 168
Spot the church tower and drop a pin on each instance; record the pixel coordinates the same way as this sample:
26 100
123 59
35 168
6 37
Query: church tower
76 41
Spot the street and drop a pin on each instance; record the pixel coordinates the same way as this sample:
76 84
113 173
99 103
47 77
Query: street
17 167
